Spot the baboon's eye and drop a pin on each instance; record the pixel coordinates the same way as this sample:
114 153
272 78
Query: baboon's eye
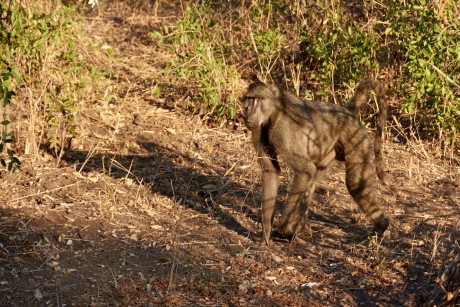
250 101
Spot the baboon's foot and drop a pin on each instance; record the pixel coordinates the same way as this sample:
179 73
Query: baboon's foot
279 235
262 245
381 225
265 240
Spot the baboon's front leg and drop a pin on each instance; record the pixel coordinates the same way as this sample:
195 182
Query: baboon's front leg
270 183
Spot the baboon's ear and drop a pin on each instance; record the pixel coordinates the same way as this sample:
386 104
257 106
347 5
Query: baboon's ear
275 90
251 77
255 78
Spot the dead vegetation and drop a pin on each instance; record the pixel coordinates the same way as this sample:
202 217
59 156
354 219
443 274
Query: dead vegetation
152 207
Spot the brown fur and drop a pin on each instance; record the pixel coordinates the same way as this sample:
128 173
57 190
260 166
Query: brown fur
310 135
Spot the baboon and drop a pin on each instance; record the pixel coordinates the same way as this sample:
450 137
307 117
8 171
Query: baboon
309 135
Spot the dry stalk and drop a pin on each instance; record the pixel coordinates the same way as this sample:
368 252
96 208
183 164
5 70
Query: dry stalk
42 192
436 242
447 289
174 243
90 154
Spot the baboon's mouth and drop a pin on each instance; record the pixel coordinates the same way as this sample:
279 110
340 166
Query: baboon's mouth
251 127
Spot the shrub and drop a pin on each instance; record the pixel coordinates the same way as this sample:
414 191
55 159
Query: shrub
417 38
40 47
430 48
203 56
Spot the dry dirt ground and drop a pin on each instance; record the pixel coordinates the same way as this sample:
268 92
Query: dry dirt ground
152 207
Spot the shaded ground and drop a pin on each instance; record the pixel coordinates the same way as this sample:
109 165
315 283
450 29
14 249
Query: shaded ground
151 207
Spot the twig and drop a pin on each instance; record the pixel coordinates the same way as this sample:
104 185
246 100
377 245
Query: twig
89 155
444 75
43 192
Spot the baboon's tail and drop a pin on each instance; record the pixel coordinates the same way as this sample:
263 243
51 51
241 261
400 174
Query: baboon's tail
361 97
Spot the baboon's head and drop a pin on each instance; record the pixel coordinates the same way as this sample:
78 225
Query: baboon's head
260 103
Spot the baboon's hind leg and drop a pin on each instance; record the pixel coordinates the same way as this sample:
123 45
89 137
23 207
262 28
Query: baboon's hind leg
295 215
362 183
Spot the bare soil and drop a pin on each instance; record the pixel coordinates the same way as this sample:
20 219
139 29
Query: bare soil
153 207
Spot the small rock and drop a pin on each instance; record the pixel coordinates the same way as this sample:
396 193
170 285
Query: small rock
244 285
310 285
277 259
38 295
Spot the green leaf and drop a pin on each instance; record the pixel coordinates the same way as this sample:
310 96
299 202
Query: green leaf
15 74
427 72
156 34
